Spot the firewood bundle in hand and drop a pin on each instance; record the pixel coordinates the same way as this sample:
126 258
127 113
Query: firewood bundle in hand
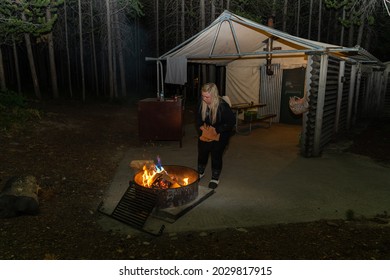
209 133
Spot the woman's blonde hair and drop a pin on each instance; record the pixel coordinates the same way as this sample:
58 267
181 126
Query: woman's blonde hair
212 89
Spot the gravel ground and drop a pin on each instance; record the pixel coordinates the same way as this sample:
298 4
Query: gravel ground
74 150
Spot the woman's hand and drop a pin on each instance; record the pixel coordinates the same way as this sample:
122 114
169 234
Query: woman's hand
209 132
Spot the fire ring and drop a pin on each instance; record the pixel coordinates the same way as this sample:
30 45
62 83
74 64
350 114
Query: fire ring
175 193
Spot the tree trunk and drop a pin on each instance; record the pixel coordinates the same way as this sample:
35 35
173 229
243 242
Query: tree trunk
157 30
361 29
81 51
119 47
212 10
183 22
285 5
114 58
202 26
95 71
109 49
17 70
351 35
32 66
53 69
165 28
351 31
298 15
202 15
342 29
319 21
3 86
31 62
67 51
177 22
310 17
138 54
367 41
330 18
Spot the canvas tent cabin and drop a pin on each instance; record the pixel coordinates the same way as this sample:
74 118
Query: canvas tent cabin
337 80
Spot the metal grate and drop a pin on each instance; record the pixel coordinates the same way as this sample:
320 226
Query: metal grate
135 207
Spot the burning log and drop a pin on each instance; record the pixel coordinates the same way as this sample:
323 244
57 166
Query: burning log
174 185
164 181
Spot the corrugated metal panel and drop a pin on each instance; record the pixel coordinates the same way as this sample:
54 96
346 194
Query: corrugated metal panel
386 109
307 149
330 104
270 91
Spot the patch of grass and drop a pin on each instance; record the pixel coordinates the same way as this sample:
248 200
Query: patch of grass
15 112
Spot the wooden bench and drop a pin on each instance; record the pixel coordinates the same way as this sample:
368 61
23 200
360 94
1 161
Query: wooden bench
257 119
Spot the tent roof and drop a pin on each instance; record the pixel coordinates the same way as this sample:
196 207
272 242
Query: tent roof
232 37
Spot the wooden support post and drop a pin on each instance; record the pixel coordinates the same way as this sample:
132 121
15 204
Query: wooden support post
357 93
351 95
339 95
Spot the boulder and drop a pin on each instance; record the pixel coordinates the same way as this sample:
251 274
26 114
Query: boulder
19 196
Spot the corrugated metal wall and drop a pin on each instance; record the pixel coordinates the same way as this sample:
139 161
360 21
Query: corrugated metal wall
307 148
340 93
330 104
386 108
271 90
328 114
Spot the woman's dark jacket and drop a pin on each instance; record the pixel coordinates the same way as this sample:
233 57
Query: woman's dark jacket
225 120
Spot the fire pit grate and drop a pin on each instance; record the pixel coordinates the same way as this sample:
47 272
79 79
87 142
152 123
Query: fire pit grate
135 207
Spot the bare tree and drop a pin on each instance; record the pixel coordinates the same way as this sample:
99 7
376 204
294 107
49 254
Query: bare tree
81 50
361 29
3 85
202 14
285 6
31 61
157 18
109 50
53 69
298 16
16 63
67 49
95 70
319 21
212 10
119 51
183 22
351 29
310 17
342 27
366 7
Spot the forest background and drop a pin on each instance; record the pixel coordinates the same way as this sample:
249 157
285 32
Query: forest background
87 49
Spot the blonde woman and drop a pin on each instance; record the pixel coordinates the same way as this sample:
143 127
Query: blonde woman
215 121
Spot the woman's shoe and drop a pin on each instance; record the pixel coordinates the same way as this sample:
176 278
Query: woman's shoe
213 184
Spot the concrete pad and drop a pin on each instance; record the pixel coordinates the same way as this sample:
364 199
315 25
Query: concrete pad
265 181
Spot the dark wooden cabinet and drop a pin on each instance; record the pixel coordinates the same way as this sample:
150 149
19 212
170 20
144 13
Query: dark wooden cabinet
160 120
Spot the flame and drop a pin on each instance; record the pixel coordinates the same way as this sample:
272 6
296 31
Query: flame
151 173
148 177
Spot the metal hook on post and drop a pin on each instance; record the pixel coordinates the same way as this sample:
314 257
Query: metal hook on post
269 56
160 77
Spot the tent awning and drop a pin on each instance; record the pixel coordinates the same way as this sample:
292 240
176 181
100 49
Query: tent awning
232 37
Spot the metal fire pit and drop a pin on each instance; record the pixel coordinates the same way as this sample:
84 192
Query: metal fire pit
144 207
172 197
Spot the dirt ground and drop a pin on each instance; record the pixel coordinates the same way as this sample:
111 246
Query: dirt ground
74 151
